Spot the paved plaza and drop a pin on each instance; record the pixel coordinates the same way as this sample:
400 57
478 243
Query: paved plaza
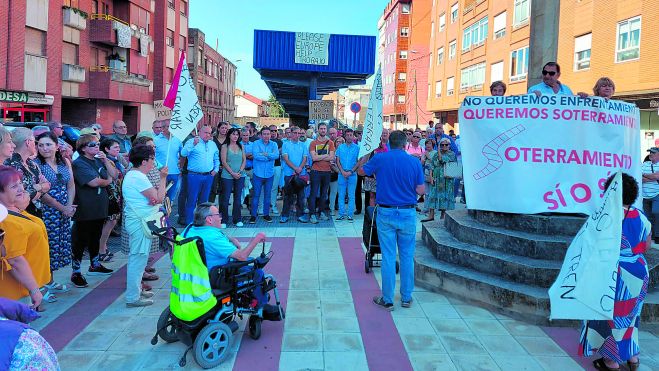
331 323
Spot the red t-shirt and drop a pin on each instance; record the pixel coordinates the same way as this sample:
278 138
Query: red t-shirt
321 147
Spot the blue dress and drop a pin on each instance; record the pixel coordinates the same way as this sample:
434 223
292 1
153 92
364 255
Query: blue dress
58 226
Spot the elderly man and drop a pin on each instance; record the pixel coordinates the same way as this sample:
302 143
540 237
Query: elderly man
203 163
651 191
65 149
398 188
550 85
121 135
168 152
218 247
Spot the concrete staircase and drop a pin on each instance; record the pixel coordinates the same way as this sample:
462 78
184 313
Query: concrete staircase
505 262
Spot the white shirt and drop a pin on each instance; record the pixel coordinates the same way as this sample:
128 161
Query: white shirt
135 182
650 189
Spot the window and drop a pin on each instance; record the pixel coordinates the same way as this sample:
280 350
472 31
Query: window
405 9
401 99
521 12
582 52
405 32
499 30
450 85
451 49
472 76
403 54
182 44
519 64
442 22
438 89
184 8
474 35
402 76
628 44
69 53
169 40
496 72
454 13
35 41
94 6
440 55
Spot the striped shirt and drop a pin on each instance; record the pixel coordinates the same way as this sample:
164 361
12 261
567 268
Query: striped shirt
650 189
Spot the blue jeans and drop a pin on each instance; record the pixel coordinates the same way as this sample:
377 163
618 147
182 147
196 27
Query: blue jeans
229 187
199 188
397 227
173 190
182 196
262 185
347 185
320 181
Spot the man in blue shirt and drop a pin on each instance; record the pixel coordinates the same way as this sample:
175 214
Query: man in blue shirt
218 247
400 181
346 161
294 160
168 151
550 85
265 153
203 163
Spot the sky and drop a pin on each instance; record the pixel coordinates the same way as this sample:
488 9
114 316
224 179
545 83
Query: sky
232 23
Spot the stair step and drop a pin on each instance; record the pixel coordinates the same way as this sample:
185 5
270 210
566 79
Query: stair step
555 224
521 269
532 245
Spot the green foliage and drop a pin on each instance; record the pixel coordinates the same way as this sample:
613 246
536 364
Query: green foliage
77 11
276 109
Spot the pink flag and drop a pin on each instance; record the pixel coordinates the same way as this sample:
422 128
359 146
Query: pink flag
173 88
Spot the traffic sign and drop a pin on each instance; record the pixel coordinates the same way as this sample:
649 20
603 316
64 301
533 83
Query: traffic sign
355 107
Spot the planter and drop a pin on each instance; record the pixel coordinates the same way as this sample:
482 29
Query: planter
72 19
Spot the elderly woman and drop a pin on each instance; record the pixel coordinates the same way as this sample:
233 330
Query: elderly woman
442 196
34 182
617 340
93 173
140 198
58 205
427 172
24 258
111 149
7 146
604 87
498 88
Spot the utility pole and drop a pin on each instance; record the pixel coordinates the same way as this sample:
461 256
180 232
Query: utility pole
416 100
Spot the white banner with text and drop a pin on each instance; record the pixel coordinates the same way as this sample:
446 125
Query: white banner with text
529 154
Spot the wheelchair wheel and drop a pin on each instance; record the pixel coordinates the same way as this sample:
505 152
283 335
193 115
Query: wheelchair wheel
212 345
166 329
254 324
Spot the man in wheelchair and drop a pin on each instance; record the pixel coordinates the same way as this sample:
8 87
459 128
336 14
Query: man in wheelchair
220 249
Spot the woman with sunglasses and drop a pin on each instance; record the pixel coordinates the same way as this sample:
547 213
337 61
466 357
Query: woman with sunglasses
442 196
24 261
34 182
58 206
92 173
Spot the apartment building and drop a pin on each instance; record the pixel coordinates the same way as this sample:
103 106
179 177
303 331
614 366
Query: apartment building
215 78
393 54
86 61
617 39
473 43
418 64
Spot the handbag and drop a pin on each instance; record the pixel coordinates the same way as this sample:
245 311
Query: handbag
153 221
453 169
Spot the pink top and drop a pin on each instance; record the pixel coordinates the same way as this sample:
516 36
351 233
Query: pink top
414 151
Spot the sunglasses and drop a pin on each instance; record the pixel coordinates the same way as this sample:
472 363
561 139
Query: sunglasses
550 73
444 145
416 136
92 144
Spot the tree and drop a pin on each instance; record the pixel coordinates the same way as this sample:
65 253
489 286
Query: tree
275 108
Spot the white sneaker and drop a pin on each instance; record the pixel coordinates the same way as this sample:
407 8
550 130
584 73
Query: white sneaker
239 224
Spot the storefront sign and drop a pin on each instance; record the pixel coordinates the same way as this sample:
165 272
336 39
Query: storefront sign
312 48
534 154
321 109
162 112
40 99
24 97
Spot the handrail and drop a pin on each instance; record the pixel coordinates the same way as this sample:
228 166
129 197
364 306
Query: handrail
108 17
101 68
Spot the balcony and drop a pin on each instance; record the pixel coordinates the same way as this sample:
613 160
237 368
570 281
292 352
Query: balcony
106 83
73 73
106 29
74 18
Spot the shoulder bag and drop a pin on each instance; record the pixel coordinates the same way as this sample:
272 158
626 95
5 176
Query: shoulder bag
153 221
453 169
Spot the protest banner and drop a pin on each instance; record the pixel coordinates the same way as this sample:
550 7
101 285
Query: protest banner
162 112
182 99
373 120
553 153
585 287
312 48
321 110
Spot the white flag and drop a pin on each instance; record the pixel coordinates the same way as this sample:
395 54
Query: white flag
182 99
585 287
373 122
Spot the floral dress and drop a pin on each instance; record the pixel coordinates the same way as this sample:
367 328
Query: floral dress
58 225
442 192
32 352
30 178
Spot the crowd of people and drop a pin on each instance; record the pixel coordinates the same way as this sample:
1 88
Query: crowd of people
64 202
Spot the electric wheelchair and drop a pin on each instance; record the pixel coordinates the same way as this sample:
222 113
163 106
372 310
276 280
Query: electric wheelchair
209 336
